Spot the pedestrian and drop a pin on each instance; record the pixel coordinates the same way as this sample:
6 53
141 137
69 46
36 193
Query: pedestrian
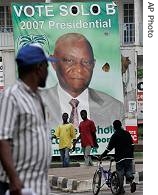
87 135
66 134
122 142
24 132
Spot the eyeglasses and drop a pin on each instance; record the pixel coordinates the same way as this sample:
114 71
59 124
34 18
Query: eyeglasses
71 61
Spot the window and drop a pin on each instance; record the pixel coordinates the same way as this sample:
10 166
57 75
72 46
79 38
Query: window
129 26
5 19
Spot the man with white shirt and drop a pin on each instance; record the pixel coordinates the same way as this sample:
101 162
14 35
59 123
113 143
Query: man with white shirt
74 71
25 144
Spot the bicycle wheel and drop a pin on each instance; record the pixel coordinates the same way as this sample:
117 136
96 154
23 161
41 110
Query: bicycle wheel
96 182
116 183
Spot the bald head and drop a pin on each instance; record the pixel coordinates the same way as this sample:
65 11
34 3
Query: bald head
68 39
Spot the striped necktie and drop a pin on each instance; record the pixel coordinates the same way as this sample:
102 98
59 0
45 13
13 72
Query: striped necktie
74 113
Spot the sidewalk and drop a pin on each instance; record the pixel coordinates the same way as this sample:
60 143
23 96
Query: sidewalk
79 179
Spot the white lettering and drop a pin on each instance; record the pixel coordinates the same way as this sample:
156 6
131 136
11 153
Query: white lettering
30 11
72 11
49 10
110 8
39 7
63 8
18 12
83 11
92 9
27 11
75 10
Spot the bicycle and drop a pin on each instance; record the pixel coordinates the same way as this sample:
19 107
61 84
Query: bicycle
111 178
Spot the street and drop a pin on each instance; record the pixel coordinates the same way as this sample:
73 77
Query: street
139 191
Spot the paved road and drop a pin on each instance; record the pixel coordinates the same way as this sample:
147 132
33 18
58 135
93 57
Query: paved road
139 191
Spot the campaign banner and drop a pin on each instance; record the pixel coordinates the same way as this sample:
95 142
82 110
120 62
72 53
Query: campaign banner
95 22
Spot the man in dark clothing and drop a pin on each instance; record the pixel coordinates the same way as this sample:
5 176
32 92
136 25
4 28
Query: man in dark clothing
122 142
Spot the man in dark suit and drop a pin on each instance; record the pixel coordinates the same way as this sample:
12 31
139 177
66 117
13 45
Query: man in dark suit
74 71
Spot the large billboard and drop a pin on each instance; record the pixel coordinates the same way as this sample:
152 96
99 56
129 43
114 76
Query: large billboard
98 88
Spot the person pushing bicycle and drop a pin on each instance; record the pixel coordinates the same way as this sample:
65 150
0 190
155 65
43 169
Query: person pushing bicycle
122 142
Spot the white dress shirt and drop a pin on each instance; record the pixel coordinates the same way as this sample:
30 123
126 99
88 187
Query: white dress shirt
64 99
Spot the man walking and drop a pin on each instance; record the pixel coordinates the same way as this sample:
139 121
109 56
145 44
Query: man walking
122 142
87 135
24 132
66 134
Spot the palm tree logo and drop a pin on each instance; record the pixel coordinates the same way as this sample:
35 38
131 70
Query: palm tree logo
28 39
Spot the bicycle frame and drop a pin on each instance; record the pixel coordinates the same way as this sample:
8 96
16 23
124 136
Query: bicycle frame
104 176
105 173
